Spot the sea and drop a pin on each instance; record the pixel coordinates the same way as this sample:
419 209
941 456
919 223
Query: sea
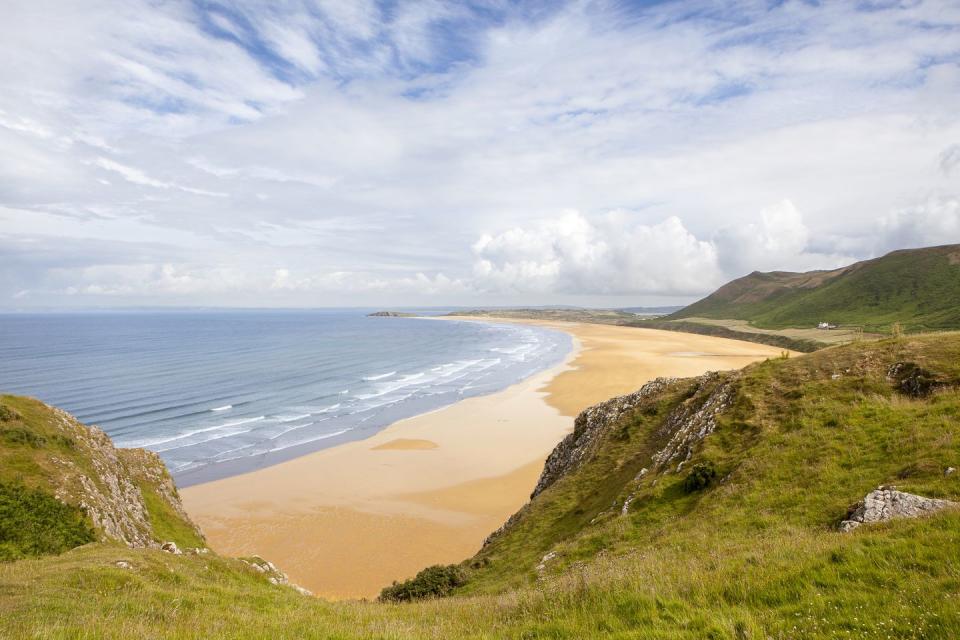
217 393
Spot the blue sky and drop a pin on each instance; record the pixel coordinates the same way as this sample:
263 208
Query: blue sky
326 153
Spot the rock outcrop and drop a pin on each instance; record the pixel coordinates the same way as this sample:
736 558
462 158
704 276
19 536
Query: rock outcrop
913 380
273 574
886 503
106 482
691 422
683 428
578 445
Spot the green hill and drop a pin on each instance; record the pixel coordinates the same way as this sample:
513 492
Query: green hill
693 508
918 288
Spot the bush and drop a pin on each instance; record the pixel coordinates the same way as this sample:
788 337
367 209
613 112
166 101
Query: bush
34 523
433 582
700 477
26 437
8 414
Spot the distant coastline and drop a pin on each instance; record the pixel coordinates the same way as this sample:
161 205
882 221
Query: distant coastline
217 394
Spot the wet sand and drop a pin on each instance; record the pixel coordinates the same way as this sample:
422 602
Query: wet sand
346 521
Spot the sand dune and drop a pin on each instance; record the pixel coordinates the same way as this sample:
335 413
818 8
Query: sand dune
346 521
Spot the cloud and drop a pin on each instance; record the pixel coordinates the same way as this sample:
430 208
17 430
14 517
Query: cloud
365 147
950 159
618 255
933 222
778 241
614 255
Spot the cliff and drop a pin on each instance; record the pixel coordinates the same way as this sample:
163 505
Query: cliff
127 495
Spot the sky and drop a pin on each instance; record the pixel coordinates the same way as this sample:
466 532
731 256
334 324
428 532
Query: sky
388 153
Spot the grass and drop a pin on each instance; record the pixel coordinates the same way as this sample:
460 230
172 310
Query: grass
918 288
754 554
47 452
166 523
34 523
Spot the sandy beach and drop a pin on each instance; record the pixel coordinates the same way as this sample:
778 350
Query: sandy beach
346 521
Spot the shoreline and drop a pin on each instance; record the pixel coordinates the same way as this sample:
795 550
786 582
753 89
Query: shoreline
348 520
364 428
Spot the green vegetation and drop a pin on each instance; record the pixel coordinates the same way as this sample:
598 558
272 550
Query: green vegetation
432 582
917 288
625 319
700 477
804 345
611 550
166 523
34 523
48 451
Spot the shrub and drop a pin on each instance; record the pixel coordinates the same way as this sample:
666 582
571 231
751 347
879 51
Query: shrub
700 477
8 414
27 437
433 582
913 380
34 523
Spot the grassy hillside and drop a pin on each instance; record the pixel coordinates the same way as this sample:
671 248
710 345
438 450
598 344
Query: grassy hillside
741 542
919 288
67 477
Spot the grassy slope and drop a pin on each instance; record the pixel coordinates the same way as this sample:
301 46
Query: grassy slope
35 445
797 449
754 556
918 288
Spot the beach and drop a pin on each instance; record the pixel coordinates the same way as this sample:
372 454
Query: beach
346 521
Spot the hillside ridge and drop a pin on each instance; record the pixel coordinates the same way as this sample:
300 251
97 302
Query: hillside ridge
916 288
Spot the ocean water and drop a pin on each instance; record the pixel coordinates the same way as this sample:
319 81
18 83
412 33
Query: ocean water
217 393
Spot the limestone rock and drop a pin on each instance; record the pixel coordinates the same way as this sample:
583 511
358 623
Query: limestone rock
109 488
886 503
545 560
171 547
692 421
683 428
273 574
577 446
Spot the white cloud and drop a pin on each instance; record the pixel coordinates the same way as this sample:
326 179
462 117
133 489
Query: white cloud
614 256
777 241
933 222
131 174
364 149
950 159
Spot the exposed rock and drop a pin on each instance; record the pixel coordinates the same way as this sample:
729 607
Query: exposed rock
390 314
108 485
949 471
913 380
273 574
692 421
886 503
171 547
123 564
689 423
545 560
575 448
